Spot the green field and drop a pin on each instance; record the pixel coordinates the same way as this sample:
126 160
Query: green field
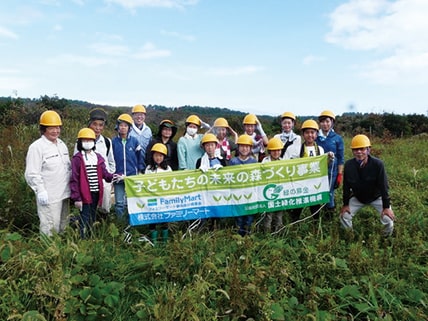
309 271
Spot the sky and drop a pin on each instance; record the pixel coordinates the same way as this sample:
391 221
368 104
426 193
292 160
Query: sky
264 57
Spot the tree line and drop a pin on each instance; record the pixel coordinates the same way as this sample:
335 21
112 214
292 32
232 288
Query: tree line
26 111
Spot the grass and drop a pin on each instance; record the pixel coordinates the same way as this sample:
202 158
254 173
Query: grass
309 271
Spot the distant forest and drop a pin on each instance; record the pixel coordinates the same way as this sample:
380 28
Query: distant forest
26 111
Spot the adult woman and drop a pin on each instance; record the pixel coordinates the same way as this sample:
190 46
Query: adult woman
129 160
165 135
291 141
331 142
47 172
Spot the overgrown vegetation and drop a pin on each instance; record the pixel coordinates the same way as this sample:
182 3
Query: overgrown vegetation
309 271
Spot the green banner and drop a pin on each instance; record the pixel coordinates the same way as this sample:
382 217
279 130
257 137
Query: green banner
229 191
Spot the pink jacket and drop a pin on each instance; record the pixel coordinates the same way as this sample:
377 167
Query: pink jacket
79 184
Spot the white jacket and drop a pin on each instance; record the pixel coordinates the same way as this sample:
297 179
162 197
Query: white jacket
48 168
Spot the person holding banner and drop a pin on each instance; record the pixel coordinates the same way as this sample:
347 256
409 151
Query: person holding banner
245 156
189 145
309 148
129 161
210 161
275 148
158 164
365 183
331 142
252 125
291 141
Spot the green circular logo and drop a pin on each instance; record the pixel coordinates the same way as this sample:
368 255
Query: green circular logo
271 191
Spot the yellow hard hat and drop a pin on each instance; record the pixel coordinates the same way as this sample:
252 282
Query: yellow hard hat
310 124
160 148
288 114
221 122
327 113
50 118
250 119
360 141
193 119
245 140
125 118
275 144
209 138
86 133
139 109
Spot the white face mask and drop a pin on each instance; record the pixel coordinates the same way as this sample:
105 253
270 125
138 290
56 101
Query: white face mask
191 131
88 145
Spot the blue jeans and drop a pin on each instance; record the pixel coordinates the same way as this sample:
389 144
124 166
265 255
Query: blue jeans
331 204
120 198
244 224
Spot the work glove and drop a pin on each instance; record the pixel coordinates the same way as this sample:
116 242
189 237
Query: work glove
78 205
217 166
118 177
338 180
42 198
205 125
260 128
204 169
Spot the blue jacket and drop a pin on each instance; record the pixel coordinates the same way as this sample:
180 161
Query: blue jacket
128 156
333 143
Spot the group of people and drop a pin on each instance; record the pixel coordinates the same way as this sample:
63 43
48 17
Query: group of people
98 163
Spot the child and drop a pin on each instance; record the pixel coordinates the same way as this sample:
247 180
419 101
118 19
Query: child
245 156
129 161
226 147
189 145
309 148
209 160
88 170
251 124
157 164
275 148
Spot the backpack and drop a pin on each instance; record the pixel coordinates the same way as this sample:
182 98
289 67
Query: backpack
108 143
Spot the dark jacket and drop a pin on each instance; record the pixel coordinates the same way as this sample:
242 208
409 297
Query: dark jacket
365 183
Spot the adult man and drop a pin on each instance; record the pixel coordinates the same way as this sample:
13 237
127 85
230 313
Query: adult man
365 183
97 122
140 130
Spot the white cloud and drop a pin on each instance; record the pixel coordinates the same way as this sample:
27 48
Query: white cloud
149 51
81 60
133 4
397 31
110 50
237 71
174 34
6 33
310 59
